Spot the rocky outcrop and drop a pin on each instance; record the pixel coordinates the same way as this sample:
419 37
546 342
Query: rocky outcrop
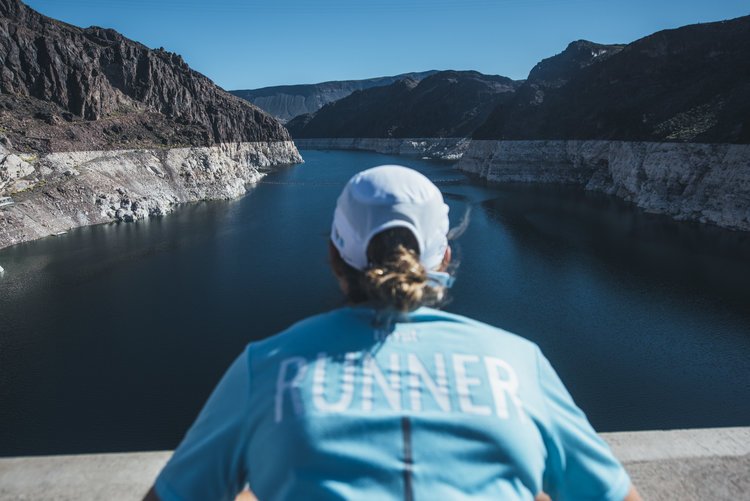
689 84
662 122
447 148
708 183
59 191
446 104
288 101
556 71
97 128
57 79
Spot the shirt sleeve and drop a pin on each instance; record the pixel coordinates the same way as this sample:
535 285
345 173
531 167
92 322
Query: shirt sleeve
210 462
580 465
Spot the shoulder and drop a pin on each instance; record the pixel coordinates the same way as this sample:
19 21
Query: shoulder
477 328
310 332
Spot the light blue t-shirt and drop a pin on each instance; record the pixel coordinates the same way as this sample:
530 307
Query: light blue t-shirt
436 407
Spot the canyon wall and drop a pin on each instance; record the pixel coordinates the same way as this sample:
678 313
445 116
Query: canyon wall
95 127
708 183
58 191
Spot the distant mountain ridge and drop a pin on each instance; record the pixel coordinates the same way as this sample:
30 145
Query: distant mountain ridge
686 84
445 104
662 122
555 71
689 84
288 101
67 88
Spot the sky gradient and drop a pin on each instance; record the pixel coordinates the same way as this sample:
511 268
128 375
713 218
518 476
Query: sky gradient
245 44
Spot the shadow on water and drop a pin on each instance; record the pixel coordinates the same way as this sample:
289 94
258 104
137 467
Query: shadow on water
627 242
111 337
655 311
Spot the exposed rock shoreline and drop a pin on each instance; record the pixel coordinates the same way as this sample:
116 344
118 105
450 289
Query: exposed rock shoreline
96 127
708 183
62 190
447 148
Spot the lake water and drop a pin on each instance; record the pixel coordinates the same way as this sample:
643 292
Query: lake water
111 337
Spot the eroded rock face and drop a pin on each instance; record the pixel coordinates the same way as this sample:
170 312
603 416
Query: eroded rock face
708 183
13 169
89 187
98 128
57 79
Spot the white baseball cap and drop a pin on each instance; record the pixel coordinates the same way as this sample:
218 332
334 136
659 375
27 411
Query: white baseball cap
386 197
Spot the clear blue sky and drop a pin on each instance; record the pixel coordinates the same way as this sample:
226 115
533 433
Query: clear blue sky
243 44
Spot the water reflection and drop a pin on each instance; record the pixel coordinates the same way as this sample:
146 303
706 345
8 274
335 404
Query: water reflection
652 311
634 247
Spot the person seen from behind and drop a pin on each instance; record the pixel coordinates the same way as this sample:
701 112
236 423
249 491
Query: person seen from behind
390 397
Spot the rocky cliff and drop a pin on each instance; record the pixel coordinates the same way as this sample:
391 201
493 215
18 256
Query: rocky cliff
288 101
446 104
95 127
708 183
63 87
58 191
687 84
663 122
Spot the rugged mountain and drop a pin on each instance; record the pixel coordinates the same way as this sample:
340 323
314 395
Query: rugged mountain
555 71
686 84
64 87
288 101
97 128
446 104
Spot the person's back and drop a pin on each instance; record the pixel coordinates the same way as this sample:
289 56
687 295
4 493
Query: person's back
435 406
388 400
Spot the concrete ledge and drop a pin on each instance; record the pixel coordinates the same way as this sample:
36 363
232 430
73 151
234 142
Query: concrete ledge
679 444
686 465
702 464
83 477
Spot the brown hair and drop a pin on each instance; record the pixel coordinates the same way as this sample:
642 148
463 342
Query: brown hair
394 279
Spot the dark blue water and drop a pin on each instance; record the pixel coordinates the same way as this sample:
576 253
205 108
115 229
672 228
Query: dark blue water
111 337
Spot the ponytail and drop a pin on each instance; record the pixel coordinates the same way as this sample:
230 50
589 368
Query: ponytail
394 279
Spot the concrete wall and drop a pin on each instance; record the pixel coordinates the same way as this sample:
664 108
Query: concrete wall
686 465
